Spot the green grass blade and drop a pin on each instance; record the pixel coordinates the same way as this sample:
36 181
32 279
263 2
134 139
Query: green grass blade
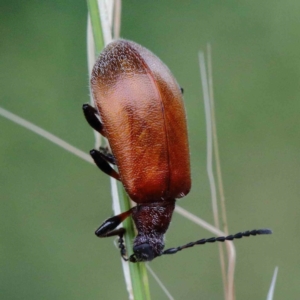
138 272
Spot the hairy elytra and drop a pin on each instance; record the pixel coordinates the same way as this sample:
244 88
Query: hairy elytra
142 110
142 115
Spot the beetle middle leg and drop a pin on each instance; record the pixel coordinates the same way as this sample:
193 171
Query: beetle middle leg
108 228
101 162
107 155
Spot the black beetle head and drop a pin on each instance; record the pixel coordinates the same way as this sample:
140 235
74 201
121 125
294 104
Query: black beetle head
142 252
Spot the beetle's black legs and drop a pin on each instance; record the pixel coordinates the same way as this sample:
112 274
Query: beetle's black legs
182 90
90 114
108 228
100 160
218 239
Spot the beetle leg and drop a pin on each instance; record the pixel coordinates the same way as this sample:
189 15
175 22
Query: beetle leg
122 246
182 90
107 155
119 232
103 165
108 229
90 114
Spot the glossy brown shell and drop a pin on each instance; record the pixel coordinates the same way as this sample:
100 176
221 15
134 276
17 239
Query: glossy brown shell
142 110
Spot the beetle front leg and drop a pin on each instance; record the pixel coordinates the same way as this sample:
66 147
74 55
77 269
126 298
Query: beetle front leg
108 228
90 114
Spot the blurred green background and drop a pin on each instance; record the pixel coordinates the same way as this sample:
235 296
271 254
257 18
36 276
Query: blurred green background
51 201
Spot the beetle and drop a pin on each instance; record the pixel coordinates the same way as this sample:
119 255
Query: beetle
139 109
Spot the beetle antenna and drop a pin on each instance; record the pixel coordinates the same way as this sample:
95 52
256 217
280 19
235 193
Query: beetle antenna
219 239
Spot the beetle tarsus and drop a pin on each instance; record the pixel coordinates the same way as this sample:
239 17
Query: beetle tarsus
107 155
122 246
103 165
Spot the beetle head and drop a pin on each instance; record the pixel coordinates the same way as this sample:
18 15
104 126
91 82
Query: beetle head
143 252
146 248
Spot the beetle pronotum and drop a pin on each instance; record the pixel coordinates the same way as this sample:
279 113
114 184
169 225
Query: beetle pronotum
142 115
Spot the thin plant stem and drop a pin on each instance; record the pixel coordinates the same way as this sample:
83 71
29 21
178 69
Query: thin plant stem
211 178
159 282
99 139
117 19
45 134
137 281
272 286
106 15
96 25
217 157
196 220
215 141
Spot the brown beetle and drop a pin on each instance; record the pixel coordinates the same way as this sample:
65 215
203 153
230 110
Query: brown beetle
142 114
